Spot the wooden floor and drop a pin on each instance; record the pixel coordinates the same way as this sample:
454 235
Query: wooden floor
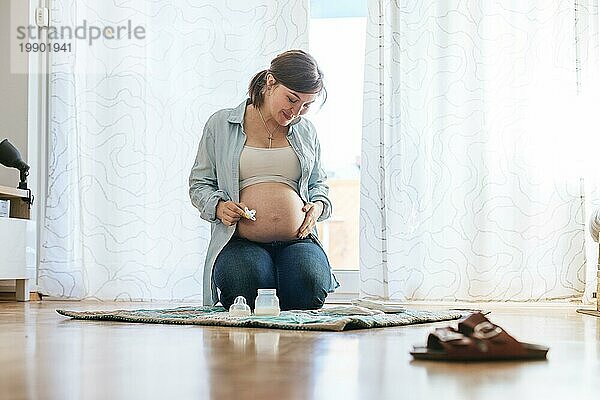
46 356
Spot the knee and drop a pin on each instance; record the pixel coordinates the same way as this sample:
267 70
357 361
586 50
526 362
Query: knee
303 300
307 291
313 280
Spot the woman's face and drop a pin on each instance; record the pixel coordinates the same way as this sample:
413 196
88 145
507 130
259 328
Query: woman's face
285 104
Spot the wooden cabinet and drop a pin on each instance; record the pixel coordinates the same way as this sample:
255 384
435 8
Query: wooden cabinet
17 242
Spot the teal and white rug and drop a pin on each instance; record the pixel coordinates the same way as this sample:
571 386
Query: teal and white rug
337 319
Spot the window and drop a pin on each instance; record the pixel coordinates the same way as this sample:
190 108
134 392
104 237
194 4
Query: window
337 41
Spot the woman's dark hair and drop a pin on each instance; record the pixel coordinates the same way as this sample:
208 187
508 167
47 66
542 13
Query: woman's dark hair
295 69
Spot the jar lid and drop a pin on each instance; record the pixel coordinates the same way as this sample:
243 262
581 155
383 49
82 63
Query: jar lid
267 291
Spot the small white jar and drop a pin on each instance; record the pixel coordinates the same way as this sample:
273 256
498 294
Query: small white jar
267 303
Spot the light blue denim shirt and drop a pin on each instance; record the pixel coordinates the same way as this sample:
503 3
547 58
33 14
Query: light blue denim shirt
215 176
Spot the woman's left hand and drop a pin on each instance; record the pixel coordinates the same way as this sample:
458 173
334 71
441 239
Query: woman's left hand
313 212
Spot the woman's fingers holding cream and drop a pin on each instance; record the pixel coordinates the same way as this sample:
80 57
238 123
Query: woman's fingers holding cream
229 213
239 209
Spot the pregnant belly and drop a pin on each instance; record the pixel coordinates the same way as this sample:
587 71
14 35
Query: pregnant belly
278 212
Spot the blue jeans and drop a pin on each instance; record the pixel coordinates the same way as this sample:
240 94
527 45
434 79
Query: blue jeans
298 269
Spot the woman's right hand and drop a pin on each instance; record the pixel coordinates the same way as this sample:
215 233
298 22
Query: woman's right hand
230 212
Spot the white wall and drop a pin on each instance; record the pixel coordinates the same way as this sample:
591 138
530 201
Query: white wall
13 94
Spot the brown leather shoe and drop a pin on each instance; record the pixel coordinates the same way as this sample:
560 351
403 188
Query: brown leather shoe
476 339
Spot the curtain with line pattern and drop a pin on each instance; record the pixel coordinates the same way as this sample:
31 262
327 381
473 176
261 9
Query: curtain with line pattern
478 169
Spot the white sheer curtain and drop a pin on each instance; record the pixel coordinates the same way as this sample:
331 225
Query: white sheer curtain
125 120
479 118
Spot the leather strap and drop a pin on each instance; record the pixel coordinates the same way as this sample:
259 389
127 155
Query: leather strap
476 338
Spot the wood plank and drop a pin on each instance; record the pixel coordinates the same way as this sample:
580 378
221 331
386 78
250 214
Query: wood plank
7 193
45 355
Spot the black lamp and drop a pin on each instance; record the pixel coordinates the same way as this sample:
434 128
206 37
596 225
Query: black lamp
11 158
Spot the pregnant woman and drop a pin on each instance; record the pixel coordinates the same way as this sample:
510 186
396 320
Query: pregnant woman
263 156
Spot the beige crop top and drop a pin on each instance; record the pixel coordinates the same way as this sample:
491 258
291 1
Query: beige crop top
259 165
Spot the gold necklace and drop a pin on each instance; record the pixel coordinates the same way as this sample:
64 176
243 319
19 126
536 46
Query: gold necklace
270 137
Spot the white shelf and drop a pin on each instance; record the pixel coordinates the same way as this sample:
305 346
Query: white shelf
18 253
